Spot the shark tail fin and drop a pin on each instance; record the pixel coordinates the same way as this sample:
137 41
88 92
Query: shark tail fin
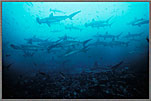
85 42
110 25
14 46
139 25
47 39
108 19
73 14
38 20
85 49
119 35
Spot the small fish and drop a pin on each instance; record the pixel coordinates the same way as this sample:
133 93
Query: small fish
147 39
7 55
34 64
117 65
42 73
62 75
8 66
126 68
132 52
29 3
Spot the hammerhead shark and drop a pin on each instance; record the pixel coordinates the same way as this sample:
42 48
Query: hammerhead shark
99 23
52 19
138 22
56 11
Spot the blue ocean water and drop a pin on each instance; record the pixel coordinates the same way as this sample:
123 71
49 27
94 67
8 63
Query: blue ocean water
45 37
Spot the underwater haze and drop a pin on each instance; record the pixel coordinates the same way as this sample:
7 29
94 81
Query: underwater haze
75 50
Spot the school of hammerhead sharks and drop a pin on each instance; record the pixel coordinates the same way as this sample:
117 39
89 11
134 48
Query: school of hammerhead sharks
110 82
70 44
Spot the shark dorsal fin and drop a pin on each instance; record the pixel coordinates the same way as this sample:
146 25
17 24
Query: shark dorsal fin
142 19
50 9
48 24
51 15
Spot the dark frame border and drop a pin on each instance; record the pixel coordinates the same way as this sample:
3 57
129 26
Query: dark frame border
75 1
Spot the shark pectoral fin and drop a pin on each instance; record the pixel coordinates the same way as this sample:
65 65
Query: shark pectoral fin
38 20
73 14
48 24
51 15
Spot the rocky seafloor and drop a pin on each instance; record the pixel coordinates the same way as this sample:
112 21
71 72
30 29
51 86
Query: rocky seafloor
84 85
